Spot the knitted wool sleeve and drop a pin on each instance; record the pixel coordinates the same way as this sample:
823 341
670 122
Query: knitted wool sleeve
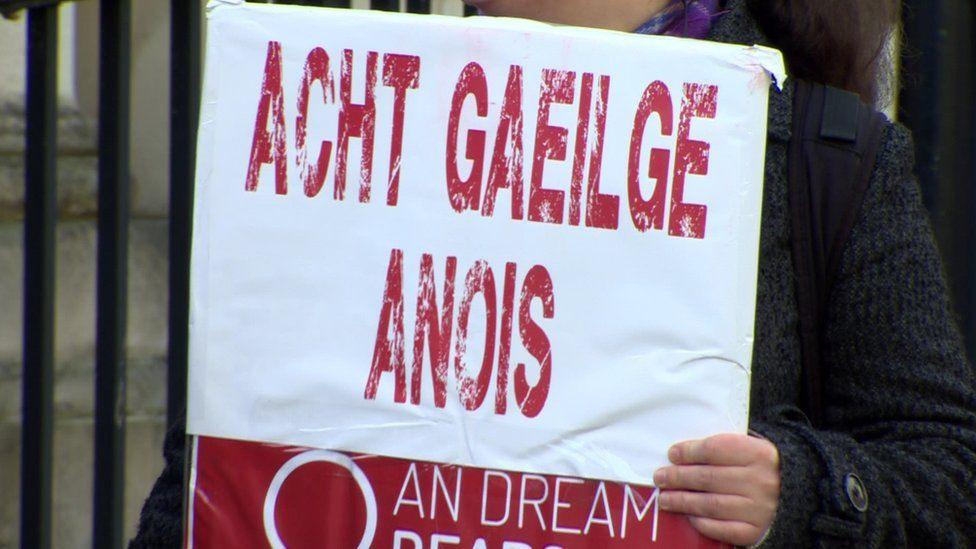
900 396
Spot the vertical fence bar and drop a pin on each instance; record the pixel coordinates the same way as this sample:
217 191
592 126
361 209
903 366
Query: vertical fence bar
336 3
385 5
184 111
963 89
936 104
921 71
113 230
418 6
40 210
970 327
470 10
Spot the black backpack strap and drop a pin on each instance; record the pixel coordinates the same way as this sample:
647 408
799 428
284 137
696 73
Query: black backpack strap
832 153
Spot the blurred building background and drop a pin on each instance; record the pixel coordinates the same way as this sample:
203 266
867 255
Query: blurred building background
937 101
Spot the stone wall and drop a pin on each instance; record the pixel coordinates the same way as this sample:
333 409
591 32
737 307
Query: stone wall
75 267
74 326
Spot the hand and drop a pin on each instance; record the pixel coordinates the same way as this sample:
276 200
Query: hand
728 485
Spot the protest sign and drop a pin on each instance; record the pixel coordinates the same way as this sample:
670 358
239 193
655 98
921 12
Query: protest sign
526 250
248 494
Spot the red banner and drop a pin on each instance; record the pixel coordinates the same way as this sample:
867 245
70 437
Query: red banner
248 494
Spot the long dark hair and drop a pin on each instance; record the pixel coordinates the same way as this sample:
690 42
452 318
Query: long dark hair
842 43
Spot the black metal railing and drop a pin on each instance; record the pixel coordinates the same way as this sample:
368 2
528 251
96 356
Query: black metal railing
111 285
113 216
936 103
185 75
40 216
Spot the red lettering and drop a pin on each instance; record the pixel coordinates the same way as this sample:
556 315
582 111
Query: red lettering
316 70
266 147
538 284
505 343
400 72
602 210
438 334
433 328
546 205
647 214
465 193
387 353
582 137
356 120
506 170
691 157
479 280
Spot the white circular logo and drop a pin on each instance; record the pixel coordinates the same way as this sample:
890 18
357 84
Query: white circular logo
312 456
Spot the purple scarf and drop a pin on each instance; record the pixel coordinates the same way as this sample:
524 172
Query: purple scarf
685 18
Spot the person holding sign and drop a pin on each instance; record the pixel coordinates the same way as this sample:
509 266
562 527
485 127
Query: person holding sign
889 455
890 466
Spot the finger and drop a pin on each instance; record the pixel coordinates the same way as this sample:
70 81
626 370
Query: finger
709 505
730 449
728 531
706 478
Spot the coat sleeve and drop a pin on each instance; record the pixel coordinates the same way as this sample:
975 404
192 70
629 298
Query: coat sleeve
161 520
894 465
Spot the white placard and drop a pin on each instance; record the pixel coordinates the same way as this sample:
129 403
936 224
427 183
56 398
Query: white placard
587 203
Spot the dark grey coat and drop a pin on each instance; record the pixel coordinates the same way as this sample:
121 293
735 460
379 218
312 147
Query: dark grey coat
900 397
900 441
